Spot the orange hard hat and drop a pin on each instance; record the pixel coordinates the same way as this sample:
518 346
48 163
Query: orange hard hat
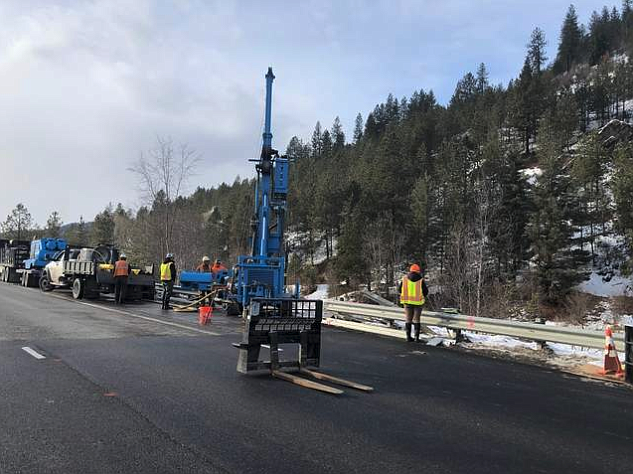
415 268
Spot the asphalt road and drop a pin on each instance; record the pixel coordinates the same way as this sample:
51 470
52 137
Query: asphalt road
138 390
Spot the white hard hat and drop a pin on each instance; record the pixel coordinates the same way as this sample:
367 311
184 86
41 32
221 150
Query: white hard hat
206 259
122 256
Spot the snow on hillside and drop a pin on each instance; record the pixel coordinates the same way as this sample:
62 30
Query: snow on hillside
615 286
321 293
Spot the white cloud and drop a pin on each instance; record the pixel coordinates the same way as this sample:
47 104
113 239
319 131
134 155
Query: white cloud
86 87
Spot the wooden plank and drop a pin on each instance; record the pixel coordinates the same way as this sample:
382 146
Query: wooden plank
337 380
306 383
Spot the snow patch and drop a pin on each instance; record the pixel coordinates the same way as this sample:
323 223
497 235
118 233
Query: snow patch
532 174
321 293
616 286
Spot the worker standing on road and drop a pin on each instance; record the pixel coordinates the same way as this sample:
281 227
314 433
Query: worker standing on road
218 266
413 291
167 278
205 266
121 273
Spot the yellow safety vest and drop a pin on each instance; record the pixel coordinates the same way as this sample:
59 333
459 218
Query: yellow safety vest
411 292
165 271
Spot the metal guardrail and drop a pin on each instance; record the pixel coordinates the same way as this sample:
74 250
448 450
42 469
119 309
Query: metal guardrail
532 331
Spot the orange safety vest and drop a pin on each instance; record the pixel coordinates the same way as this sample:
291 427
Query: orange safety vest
121 268
218 268
411 292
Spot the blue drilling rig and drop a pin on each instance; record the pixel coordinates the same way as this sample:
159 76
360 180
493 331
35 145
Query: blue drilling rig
262 273
273 317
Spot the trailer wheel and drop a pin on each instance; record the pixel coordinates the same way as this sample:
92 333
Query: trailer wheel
78 288
45 284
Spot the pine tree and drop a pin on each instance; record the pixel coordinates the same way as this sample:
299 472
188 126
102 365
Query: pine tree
622 187
53 225
627 23
351 263
524 114
338 136
536 50
326 144
419 203
570 42
588 170
317 141
482 79
358 129
599 38
559 265
371 127
565 117
18 223
82 232
103 227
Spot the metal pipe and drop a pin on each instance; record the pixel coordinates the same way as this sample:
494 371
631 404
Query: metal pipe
268 136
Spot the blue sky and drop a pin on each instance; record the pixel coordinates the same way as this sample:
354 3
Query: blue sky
87 86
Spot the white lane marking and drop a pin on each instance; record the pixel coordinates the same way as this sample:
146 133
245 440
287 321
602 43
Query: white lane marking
133 315
30 351
267 346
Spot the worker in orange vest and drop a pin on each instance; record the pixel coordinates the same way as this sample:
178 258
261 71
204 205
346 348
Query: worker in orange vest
413 291
218 266
121 273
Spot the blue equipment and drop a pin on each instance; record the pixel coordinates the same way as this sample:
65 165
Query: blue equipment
203 281
43 251
262 274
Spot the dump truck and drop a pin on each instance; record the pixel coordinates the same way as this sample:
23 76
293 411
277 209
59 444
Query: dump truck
13 253
89 273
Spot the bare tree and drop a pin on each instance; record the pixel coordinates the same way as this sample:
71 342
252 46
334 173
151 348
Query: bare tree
163 174
486 207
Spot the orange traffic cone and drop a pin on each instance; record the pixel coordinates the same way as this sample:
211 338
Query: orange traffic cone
611 359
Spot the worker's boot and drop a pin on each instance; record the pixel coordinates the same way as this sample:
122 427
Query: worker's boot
407 327
416 328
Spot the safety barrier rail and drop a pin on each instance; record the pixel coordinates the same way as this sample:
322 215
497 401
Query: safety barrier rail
523 330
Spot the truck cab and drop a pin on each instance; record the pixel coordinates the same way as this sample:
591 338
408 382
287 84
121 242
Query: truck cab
54 274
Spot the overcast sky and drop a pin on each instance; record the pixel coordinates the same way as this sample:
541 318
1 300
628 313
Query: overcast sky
86 86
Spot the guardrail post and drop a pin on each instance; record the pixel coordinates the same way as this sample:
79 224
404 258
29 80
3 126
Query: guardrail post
541 344
628 353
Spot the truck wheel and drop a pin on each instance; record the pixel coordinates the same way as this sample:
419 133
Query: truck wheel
78 289
45 284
